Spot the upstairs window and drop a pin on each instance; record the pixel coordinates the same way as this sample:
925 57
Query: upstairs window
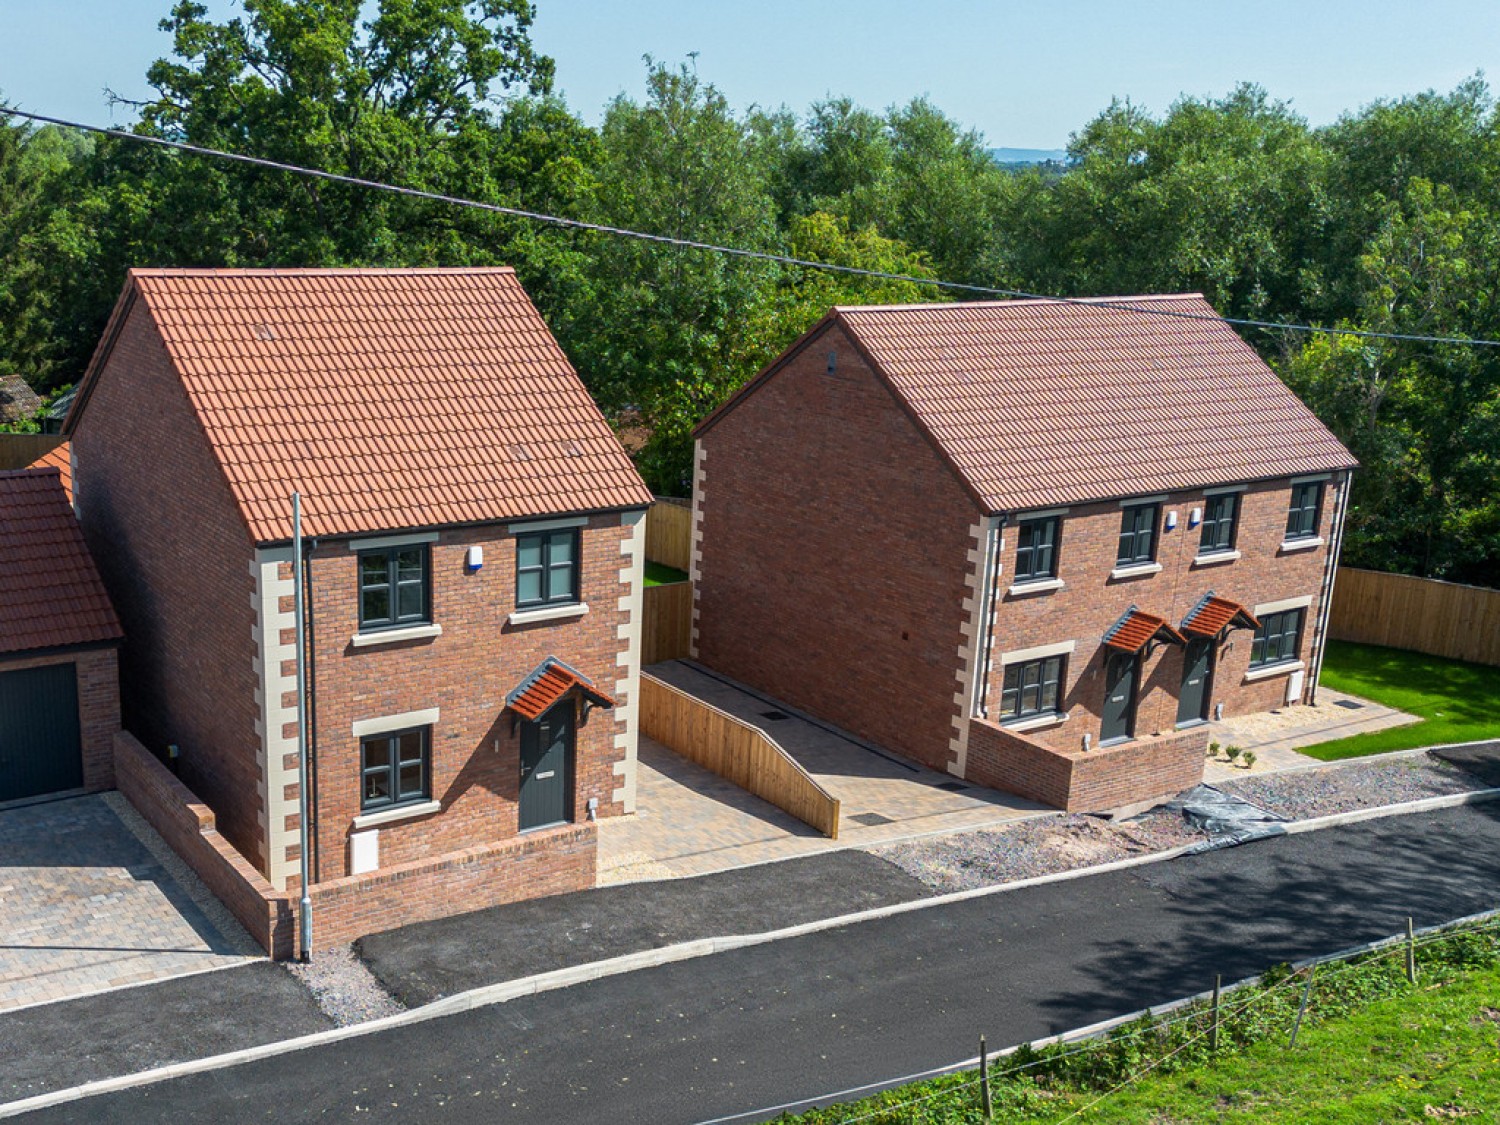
394 588
1137 535
547 568
1302 516
1032 688
1036 549
1276 641
1219 517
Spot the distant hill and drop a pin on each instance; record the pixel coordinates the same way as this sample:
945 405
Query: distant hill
1027 155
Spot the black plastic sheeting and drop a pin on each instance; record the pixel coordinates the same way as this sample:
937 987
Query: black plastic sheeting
1228 820
1482 759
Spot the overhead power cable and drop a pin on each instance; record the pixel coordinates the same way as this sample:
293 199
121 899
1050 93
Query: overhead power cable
734 251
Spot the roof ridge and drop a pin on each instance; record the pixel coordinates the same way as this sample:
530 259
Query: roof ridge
1015 302
313 271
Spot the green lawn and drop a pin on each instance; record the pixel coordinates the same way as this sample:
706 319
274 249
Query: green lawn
658 574
1458 702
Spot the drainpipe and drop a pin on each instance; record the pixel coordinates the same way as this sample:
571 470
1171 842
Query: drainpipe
994 545
1325 607
312 714
302 801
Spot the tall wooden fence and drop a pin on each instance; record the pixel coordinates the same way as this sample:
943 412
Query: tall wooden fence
736 751
19 450
667 622
1421 614
669 533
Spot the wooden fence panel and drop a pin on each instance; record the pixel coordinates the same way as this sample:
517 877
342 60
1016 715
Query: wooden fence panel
667 622
19 450
736 751
1421 614
669 534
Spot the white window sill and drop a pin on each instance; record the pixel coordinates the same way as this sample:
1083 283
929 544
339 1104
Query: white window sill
547 613
1216 557
1290 545
1035 586
391 816
1284 668
393 636
1135 570
1036 722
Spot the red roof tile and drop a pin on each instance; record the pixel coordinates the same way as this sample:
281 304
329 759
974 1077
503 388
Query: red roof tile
60 459
53 595
549 682
390 398
1043 402
1213 615
1136 629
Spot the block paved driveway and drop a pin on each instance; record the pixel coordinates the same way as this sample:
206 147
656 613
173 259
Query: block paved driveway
91 898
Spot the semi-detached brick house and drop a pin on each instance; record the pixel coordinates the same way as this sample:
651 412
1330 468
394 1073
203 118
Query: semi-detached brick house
474 537
1033 543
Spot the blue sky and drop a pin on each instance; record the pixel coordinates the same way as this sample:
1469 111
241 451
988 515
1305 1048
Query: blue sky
1025 74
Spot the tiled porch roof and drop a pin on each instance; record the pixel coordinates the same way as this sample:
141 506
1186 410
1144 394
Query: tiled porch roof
1213 615
1136 629
548 682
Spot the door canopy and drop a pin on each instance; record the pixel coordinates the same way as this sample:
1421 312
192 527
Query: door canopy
1136 629
1214 615
549 682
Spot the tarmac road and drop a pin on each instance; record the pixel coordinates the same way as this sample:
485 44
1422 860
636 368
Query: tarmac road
739 1032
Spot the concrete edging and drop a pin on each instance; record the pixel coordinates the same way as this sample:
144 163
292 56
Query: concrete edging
504 991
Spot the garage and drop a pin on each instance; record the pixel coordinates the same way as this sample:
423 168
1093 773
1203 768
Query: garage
59 689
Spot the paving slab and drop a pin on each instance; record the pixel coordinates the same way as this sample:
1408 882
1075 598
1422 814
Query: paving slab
423 962
1279 736
56 1046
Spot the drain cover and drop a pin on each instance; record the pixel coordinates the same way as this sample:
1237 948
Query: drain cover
1349 703
871 819
774 716
953 786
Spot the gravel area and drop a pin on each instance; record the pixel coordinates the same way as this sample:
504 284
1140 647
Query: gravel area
1301 794
344 988
1032 848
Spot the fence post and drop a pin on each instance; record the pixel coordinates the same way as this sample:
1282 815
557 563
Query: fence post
984 1078
1302 1008
1411 954
1213 1031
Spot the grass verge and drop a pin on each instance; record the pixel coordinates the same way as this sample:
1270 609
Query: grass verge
1372 1047
1457 701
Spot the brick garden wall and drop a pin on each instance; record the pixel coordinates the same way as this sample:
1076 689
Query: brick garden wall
98 707
833 546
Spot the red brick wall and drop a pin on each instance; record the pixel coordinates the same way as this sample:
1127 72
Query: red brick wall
1091 601
175 558
834 541
98 707
188 826
1127 773
466 673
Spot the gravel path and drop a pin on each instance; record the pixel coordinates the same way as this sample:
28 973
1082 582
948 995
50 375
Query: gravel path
1300 794
1033 848
344 988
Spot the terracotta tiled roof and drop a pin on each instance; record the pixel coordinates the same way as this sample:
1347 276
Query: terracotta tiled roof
546 684
1036 403
1212 615
58 458
17 399
390 398
1136 629
53 596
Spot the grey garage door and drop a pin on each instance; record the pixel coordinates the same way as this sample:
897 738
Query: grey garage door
39 747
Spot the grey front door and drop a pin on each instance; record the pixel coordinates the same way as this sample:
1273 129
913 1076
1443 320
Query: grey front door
39 747
547 768
1118 719
1196 675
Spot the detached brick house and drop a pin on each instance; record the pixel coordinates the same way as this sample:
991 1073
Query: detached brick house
59 691
1035 544
474 541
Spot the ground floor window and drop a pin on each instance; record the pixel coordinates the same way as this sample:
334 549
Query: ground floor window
1032 687
394 768
1276 639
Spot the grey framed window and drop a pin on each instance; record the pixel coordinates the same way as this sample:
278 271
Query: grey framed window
1137 535
1302 515
1277 638
1220 515
547 568
1032 687
1036 548
394 587
395 769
